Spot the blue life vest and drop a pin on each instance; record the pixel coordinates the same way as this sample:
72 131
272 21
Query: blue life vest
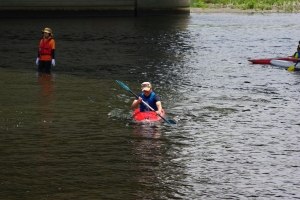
150 101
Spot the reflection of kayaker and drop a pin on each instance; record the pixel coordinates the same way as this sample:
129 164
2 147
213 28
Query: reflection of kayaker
46 53
149 97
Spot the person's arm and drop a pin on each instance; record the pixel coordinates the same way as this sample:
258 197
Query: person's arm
52 44
38 57
53 53
159 107
136 102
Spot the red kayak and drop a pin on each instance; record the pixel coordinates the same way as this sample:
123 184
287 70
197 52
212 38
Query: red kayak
266 61
146 116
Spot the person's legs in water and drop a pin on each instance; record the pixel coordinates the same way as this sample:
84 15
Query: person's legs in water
44 66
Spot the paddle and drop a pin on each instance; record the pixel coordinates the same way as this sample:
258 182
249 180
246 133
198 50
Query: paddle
292 68
128 89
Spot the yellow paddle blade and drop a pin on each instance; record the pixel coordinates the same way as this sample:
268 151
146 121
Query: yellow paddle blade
291 68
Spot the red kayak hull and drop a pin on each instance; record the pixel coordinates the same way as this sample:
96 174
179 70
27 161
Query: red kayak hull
266 61
146 116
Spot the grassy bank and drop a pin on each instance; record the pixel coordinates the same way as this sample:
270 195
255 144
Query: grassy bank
280 5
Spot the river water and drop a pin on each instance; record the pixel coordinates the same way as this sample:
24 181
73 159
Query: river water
69 135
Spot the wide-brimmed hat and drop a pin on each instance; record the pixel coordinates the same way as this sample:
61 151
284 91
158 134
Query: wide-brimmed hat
146 86
47 30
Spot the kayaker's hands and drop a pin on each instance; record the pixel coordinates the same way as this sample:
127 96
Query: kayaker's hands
140 100
136 102
53 62
158 112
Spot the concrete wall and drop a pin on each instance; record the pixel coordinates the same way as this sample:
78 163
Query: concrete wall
163 3
65 4
107 6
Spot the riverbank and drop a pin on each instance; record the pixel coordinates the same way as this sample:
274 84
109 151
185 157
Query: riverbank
230 10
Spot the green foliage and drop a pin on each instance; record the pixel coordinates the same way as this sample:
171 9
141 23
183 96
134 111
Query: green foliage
201 4
285 5
250 4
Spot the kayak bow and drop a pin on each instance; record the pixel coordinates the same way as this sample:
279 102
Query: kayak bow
146 116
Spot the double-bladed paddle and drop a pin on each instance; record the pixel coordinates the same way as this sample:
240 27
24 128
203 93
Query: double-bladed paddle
292 68
129 90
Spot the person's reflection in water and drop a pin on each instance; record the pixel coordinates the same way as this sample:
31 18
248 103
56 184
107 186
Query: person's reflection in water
45 139
148 129
147 153
46 100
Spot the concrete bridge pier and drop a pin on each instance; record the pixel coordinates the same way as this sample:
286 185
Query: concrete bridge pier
145 7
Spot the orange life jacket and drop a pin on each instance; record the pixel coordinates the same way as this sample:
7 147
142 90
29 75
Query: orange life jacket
45 48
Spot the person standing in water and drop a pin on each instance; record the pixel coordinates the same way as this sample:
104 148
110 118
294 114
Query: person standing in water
149 97
46 52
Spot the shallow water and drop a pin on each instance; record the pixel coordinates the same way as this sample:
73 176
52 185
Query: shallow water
70 135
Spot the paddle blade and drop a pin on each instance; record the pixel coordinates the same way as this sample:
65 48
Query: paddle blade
166 120
291 68
123 85
170 121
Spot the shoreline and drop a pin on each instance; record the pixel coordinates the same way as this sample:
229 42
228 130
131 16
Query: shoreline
230 10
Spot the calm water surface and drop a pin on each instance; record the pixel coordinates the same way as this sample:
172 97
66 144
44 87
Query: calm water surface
69 135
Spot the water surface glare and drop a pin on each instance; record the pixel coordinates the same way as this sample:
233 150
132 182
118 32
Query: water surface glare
69 135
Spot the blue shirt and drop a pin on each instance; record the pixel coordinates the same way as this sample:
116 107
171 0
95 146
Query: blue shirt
151 100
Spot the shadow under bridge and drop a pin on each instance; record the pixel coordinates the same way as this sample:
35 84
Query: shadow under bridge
75 8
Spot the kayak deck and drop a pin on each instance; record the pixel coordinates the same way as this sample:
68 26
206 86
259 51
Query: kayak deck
282 63
146 116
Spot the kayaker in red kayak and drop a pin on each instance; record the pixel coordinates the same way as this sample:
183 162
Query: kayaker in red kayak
149 97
